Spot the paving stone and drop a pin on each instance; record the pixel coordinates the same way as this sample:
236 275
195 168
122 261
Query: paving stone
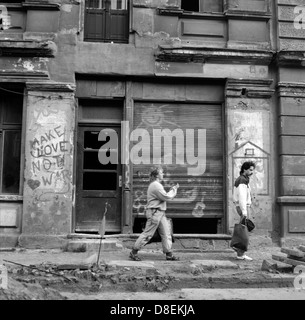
224 264
92 245
127 263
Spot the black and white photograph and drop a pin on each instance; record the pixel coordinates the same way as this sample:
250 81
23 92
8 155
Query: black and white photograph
152 153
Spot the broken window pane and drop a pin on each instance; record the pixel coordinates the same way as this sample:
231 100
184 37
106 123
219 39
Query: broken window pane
10 140
202 5
91 161
100 181
12 112
11 161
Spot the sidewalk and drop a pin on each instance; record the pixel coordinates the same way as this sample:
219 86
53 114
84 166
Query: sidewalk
116 272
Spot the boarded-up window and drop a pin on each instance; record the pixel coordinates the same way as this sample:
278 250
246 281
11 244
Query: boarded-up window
202 5
199 195
10 142
107 21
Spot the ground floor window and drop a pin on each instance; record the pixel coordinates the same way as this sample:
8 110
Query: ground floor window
11 105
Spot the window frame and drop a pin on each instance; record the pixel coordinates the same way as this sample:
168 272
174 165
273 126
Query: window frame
12 127
106 19
201 5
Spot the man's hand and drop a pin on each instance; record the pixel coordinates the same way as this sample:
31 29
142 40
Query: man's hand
175 187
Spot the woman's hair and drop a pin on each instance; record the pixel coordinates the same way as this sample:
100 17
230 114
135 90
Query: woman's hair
246 165
154 173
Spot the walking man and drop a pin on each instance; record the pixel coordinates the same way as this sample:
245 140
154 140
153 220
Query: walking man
242 198
155 214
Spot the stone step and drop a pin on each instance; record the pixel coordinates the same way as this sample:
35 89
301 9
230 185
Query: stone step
93 245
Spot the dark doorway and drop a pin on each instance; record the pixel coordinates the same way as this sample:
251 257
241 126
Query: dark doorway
98 186
185 225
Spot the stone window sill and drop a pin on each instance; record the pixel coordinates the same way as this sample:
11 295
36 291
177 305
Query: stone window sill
31 48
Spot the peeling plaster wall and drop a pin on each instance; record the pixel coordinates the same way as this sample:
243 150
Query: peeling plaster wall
113 59
249 127
151 29
24 65
157 3
47 207
62 66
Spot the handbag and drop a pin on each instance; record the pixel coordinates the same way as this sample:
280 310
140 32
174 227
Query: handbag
240 237
249 223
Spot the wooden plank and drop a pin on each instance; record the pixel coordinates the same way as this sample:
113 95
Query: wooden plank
295 258
301 248
293 252
287 260
73 266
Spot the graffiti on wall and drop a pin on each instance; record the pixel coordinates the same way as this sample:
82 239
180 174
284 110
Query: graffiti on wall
250 133
192 199
196 196
49 150
156 116
196 193
247 126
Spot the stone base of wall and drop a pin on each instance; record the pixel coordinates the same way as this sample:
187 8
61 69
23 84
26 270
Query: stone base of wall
8 240
67 243
91 245
292 241
29 241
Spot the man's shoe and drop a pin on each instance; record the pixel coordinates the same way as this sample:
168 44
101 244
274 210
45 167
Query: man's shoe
134 256
171 258
244 257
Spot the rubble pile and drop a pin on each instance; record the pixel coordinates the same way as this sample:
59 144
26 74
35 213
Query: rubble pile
293 256
90 279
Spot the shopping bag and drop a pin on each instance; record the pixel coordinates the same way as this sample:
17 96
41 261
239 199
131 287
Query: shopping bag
240 237
157 238
249 223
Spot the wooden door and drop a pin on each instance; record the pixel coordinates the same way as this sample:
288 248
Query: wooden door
98 186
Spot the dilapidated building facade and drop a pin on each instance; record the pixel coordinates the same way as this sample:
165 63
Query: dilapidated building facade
71 69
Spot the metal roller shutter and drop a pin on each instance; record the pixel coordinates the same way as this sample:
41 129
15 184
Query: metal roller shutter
198 196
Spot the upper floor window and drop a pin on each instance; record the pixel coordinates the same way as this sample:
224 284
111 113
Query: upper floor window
12 17
10 142
202 5
107 21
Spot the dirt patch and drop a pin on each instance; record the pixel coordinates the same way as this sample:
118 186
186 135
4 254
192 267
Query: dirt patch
28 291
49 282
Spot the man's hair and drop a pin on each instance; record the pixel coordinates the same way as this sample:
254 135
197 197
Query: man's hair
246 165
154 173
